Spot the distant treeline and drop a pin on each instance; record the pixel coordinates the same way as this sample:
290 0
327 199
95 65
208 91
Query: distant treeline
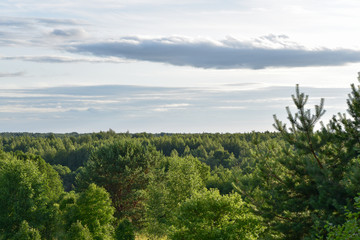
70 151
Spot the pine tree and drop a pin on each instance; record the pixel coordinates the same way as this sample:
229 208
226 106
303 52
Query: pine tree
302 184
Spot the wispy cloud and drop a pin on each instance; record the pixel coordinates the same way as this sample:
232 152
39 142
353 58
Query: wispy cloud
64 59
15 74
152 109
264 52
43 32
34 22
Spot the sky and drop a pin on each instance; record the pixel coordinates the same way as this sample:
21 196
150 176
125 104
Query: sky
172 66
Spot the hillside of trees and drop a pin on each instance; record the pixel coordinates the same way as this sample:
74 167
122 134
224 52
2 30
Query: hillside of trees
300 182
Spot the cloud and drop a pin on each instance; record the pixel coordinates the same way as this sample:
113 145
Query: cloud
152 109
69 33
58 21
64 59
264 52
43 32
34 22
15 74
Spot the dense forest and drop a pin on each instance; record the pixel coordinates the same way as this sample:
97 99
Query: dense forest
300 182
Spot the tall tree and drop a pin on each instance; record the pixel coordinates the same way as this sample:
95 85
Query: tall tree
304 183
122 168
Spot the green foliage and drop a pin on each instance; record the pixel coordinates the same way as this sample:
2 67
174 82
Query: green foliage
61 170
134 169
222 178
170 185
53 183
125 230
92 209
209 215
66 175
122 168
78 232
29 189
301 184
350 229
25 232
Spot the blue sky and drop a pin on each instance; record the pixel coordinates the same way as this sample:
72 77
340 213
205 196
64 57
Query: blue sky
170 66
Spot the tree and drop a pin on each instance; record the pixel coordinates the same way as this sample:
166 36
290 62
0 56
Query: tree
122 168
25 232
125 230
29 190
222 179
208 215
78 232
350 229
173 182
89 211
304 182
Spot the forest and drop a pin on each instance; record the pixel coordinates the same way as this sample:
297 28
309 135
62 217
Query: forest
301 181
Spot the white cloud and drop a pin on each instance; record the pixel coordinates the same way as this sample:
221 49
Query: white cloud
168 107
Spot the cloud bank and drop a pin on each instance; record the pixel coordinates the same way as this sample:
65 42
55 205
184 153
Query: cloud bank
264 52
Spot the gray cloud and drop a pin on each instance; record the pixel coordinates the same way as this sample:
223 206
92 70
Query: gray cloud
264 52
15 74
78 33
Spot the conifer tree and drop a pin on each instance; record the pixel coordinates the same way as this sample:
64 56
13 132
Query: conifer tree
303 184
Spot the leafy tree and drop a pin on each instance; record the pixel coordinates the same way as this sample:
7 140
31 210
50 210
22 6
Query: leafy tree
222 179
25 232
78 232
125 230
209 215
92 209
29 189
170 185
122 168
53 182
67 176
